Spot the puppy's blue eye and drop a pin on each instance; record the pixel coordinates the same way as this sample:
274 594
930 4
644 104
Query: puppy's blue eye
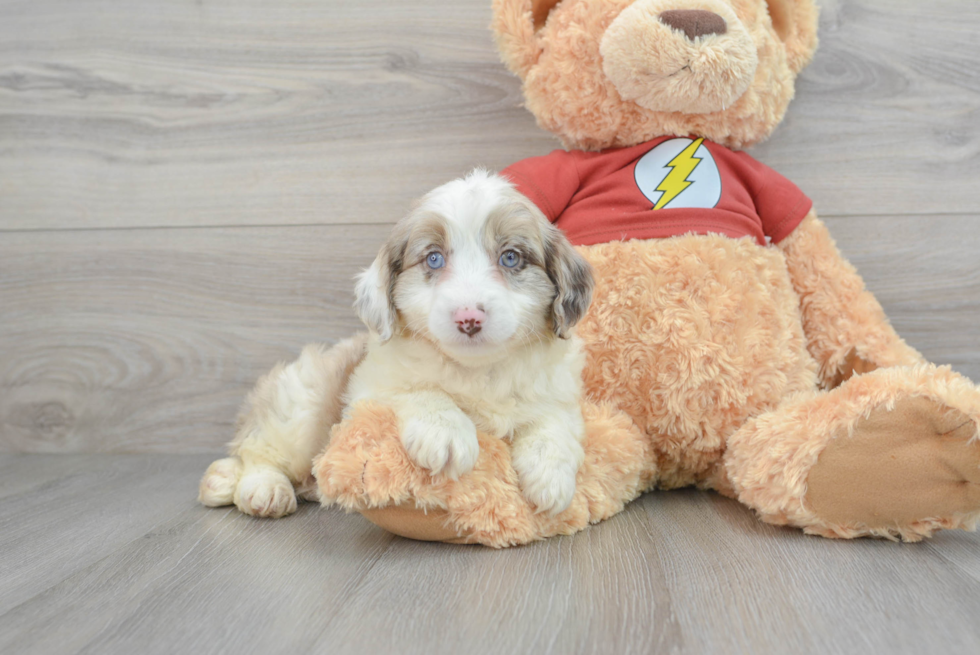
435 260
510 259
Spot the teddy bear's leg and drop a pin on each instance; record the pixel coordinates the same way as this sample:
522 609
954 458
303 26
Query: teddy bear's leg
892 453
366 469
286 422
846 329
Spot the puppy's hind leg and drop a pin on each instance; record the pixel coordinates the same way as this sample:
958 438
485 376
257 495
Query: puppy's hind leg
285 423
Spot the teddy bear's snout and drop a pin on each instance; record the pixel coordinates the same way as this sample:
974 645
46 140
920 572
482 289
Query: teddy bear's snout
694 22
672 59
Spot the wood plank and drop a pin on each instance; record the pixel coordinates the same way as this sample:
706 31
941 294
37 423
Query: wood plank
148 340
600 591
19 477
131 341
123 114
778 590
682 571
61 514
326 118
245 112
887 117
676 572
921 270
186 579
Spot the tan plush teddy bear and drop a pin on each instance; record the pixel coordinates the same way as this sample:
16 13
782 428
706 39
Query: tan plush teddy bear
729 345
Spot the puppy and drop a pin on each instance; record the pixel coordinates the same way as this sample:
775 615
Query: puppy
470 306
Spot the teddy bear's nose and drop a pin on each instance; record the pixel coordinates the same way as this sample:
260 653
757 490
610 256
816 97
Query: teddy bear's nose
694 22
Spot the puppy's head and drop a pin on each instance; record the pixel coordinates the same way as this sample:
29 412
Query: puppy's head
477 269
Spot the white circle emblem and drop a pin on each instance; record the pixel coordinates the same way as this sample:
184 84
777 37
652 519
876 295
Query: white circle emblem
679 173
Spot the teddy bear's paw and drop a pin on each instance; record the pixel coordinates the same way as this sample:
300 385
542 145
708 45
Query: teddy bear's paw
915 461
443 442
546 473
265 492
217 487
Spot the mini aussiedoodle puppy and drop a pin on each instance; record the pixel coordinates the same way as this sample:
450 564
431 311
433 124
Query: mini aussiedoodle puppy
470 306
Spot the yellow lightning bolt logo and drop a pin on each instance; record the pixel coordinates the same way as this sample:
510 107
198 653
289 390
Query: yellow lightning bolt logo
676 181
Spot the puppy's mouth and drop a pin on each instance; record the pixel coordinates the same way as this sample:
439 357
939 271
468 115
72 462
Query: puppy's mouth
459 341
475 344
473 341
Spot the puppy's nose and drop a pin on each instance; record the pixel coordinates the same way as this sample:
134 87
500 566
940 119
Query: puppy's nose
469 321
694 22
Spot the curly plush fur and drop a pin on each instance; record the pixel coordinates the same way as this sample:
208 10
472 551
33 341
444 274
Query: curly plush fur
767 373
364 469
700 342
690 336
567 89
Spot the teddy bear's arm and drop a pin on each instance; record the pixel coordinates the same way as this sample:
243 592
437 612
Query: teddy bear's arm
846 329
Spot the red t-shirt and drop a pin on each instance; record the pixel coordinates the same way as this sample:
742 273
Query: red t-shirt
662 188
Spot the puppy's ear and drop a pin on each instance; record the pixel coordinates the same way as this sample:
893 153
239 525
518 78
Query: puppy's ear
374 292
572 277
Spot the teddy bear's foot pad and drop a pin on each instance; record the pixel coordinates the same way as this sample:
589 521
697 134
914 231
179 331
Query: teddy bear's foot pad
413 523
917 461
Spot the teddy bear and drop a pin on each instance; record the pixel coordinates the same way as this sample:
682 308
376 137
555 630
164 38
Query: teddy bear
729 345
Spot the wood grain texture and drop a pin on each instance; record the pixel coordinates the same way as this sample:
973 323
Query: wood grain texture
186 189
677 572
227 113
231 112
887 117
148 340
61 514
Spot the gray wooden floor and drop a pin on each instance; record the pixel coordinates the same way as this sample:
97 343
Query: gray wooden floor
186 189
110 554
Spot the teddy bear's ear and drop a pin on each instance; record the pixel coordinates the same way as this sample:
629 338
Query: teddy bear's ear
795 21
515 26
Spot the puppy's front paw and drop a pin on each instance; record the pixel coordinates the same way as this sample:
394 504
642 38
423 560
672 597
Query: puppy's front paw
443 442
265 492
547 480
